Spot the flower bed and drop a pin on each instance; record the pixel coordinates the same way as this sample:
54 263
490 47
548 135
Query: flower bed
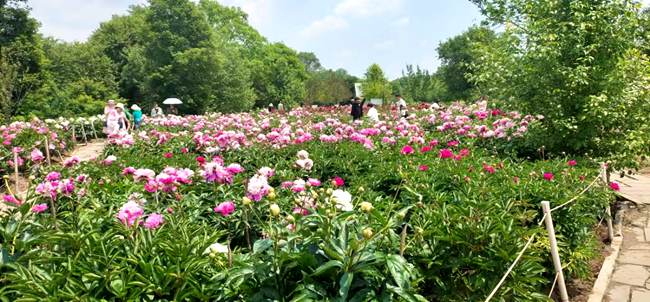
302 206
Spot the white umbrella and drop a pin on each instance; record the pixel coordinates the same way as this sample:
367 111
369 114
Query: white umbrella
172 101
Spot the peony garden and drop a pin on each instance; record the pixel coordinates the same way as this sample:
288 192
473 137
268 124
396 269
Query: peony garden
302 205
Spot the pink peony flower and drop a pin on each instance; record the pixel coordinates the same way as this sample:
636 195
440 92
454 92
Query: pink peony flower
39 208
234 168
515 179
406 150
425 149
72 161
11 199
313 182
168 155
572 163
109 160
128 171
614 186
52 176
225 208
200 160
37 156
489 169
453 143
338 181
423 168
129 213
548 176
446 153
184 150
153 221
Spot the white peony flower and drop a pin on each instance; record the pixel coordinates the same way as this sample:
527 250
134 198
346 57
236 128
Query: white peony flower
216 248
302 154
343 200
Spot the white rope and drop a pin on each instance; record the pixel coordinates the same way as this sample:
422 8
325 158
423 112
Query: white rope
554 283
579 194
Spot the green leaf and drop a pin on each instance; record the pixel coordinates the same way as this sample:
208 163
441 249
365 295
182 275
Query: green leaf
344 283
327 266
262 245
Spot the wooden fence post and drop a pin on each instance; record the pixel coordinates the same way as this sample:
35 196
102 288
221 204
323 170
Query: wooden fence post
16 171
564 296
608 211
47 151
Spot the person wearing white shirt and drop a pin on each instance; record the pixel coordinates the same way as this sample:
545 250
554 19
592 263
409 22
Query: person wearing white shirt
373 114
401 106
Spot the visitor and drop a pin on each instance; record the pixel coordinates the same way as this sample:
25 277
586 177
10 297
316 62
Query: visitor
156 111
173 110
271 108
373 114
123 121
280 107
111 118
137 116
401 106
129 116
357 108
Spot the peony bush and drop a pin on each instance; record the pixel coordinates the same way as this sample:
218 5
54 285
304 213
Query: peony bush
302 206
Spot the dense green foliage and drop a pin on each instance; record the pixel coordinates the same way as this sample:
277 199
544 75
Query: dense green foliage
419 85
417 225
578 63
375 85
203 53
458 55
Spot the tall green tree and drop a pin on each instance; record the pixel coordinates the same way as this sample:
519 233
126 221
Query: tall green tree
20 48
279 76
311 62
576 63
458 55
375 84
418 85
77 78
327 87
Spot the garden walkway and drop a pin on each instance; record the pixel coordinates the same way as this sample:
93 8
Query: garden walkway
90 151
631 279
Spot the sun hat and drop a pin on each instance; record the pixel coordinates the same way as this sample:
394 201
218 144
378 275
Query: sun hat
120 105
135 107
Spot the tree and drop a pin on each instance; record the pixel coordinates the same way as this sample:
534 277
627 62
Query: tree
576 63
279 76
77 78
375 84
311 62
418 85
20 48
458 55
121 39
327 87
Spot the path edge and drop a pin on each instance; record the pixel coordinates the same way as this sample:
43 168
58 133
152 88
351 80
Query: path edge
607 270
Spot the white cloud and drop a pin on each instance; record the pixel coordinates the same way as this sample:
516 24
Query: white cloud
645 3
404 21
367 8
329 23
259 11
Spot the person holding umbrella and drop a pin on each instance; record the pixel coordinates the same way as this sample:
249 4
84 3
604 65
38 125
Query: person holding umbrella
171 102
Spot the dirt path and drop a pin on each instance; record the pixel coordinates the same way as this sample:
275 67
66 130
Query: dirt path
90 151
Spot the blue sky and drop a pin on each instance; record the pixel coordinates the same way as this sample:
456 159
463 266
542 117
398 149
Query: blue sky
350 34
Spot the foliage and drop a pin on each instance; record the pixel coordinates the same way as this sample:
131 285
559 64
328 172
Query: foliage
426 213
375 84
21 55
327 87
567 61
311 62
418 85
458 56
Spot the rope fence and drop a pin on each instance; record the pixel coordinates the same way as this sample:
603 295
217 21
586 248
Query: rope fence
559 276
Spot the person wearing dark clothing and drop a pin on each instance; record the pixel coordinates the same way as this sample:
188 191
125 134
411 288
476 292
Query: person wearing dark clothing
357 108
